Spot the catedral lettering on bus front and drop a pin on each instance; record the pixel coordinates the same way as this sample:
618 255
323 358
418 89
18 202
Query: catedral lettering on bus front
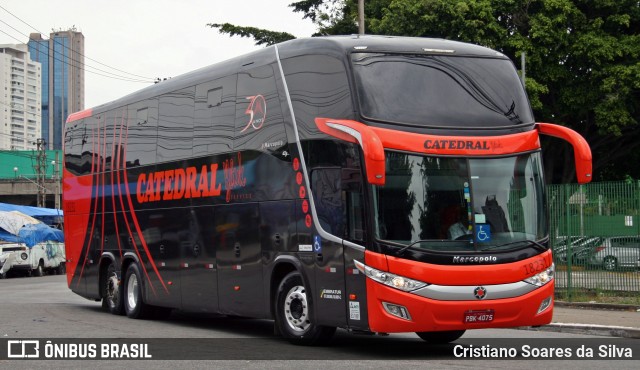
370 183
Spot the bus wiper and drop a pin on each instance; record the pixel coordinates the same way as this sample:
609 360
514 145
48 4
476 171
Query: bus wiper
534 243
409 246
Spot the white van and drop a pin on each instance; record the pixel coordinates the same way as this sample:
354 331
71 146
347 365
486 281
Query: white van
17 258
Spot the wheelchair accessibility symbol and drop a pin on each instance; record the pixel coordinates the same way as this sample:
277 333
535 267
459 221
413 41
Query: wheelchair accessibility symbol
483 232
317 244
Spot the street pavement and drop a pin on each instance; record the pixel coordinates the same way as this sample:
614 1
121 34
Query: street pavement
595 319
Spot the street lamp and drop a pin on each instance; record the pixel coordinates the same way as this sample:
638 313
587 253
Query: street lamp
53 165
15 172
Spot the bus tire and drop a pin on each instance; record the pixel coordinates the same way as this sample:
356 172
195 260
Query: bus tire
440 337
293 313
134 305
61 270
112 298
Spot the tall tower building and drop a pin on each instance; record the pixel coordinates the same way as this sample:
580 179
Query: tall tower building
20 99
62 59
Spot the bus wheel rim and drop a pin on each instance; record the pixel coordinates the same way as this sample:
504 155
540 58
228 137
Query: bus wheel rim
132 291
112 289
296 309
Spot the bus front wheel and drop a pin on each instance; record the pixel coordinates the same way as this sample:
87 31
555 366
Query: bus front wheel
293 313
440 337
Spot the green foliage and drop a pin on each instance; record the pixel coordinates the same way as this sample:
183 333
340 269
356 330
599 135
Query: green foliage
332 17
261 36
583 65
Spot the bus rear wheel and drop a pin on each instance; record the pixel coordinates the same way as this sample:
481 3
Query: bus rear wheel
113 298
134 305
293 313
440 337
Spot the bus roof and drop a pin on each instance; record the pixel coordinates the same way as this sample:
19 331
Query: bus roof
329 45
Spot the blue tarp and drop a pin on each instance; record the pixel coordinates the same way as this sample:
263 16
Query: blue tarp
8 237
29 234
37 233
50 216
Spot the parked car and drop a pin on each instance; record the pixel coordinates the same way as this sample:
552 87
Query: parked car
580 248
617 251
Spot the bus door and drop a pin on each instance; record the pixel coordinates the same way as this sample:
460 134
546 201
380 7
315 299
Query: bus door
329 296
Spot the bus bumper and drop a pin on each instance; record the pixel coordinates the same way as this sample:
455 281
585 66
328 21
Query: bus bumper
426 314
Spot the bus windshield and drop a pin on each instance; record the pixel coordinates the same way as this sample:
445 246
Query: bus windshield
440 91
461 204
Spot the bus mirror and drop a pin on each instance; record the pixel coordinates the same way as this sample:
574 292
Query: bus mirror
356 132
582 152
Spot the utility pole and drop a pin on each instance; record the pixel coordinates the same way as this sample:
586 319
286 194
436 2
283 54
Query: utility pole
361 17
522 64
41 170
56 181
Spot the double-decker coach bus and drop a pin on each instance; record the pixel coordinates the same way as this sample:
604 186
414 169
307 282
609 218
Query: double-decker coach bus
377 184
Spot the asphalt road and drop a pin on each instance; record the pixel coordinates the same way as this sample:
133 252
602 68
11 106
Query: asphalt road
45 308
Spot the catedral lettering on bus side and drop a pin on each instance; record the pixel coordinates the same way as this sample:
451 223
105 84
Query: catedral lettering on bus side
323 183
178 184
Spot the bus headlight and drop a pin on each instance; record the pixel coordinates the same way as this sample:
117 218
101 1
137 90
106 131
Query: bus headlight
543 277
389 279
24 256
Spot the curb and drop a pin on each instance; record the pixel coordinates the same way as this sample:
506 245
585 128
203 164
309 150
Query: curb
601 330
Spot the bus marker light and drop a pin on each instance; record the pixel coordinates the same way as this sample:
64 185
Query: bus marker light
352 297
236 288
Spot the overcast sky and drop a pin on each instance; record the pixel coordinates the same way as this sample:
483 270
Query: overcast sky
151 38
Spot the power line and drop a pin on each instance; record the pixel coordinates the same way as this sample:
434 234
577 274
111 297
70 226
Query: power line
74 51
82 64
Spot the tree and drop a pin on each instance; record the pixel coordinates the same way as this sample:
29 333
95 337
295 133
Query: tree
583 61
260 35
583 65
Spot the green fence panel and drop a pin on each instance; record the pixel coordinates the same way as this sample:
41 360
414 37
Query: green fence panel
595 237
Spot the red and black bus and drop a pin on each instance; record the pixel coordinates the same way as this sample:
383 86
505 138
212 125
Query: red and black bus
377 184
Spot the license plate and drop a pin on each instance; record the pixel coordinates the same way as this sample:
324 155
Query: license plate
471 317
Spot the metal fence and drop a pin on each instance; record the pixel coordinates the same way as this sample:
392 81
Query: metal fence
595 237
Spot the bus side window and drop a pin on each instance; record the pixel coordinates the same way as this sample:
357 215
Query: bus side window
337 193
141 133
175 127
326 185
259 119
214 116
73 137
352 192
